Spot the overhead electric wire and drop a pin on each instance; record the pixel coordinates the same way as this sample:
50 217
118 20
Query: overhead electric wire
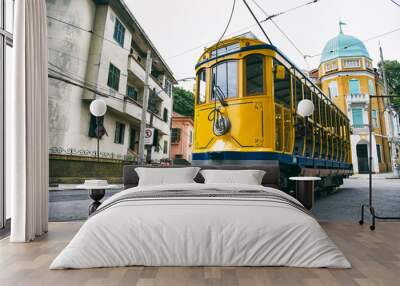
237 31
88 31
76 80
281 30
257 21
398 4
215 114
107 40
364 41
100 64
289 10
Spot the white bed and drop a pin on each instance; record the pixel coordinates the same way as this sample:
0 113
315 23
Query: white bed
207 230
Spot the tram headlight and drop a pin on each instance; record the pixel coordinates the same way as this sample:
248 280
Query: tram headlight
221 125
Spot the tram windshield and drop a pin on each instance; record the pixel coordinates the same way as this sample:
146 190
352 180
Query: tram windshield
225 78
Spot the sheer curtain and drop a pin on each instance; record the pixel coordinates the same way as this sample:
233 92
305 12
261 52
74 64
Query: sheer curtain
27 147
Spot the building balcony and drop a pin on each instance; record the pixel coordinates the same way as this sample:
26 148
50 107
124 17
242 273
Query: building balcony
359 128
357 98
138 71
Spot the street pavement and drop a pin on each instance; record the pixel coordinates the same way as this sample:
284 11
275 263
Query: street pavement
343 205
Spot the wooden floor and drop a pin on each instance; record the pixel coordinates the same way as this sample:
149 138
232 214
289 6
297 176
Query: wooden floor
375 257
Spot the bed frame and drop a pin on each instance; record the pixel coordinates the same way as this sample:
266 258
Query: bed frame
270 179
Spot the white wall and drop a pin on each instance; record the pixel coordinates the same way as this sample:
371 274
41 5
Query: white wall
88 58
354 140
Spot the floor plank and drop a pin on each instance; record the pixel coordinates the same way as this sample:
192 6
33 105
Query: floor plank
375 257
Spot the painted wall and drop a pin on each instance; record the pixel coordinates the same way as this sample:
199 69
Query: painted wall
347 102
184 146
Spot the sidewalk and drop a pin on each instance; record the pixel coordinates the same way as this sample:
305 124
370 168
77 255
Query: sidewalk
374 176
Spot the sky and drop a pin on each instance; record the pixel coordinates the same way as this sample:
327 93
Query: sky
181 29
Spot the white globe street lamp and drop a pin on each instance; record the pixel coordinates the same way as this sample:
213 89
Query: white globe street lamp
305 108
98 108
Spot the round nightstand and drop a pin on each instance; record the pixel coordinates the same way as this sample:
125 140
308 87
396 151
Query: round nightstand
305 190
96 193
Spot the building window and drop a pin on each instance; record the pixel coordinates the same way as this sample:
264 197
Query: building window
354 86
374 115
371 87
113 77
254 75
333 89
132 141
132 92
165 147
331 66
176 135
352 63
226 78
378 153
201 86
168 87
119 133
191 137
357 114
119 32
368 64
165 115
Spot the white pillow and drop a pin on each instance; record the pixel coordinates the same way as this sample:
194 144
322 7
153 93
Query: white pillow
248 177
166 176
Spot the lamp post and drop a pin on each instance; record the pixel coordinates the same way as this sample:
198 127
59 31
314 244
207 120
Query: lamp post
98 108
305 108
369 205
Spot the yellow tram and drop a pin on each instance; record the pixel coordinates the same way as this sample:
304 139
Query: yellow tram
245 113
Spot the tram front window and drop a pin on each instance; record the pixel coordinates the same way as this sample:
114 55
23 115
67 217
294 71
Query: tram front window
254 75
226 78
201 86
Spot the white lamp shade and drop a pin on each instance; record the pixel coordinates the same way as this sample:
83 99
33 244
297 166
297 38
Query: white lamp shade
98 107
305 108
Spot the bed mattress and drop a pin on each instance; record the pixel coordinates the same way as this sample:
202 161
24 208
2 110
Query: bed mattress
201 225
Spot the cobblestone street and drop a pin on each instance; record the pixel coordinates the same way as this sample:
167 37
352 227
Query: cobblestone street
344 205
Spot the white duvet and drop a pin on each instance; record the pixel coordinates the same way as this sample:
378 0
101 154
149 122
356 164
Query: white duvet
200 231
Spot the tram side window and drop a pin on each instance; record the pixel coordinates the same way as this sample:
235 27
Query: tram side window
323 144
201 86
226 78
283 89
254 75
328 125
299 91
307 92
316 101
310 140
300 126
278 128
333 132
317 141
323 112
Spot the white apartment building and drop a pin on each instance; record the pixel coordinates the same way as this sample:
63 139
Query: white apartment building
100 45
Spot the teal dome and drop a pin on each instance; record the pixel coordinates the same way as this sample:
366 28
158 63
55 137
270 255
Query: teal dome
343 46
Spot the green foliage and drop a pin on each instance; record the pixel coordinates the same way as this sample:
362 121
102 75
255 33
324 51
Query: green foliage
183 101
392 69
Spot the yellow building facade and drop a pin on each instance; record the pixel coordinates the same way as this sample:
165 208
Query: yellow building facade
346 73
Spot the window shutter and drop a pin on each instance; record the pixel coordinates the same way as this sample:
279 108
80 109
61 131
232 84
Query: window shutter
92 126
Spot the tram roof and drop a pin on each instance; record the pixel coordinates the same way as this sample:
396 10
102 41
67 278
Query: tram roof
255 44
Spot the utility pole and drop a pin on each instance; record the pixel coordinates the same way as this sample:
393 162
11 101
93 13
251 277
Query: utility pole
389 112
141 159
